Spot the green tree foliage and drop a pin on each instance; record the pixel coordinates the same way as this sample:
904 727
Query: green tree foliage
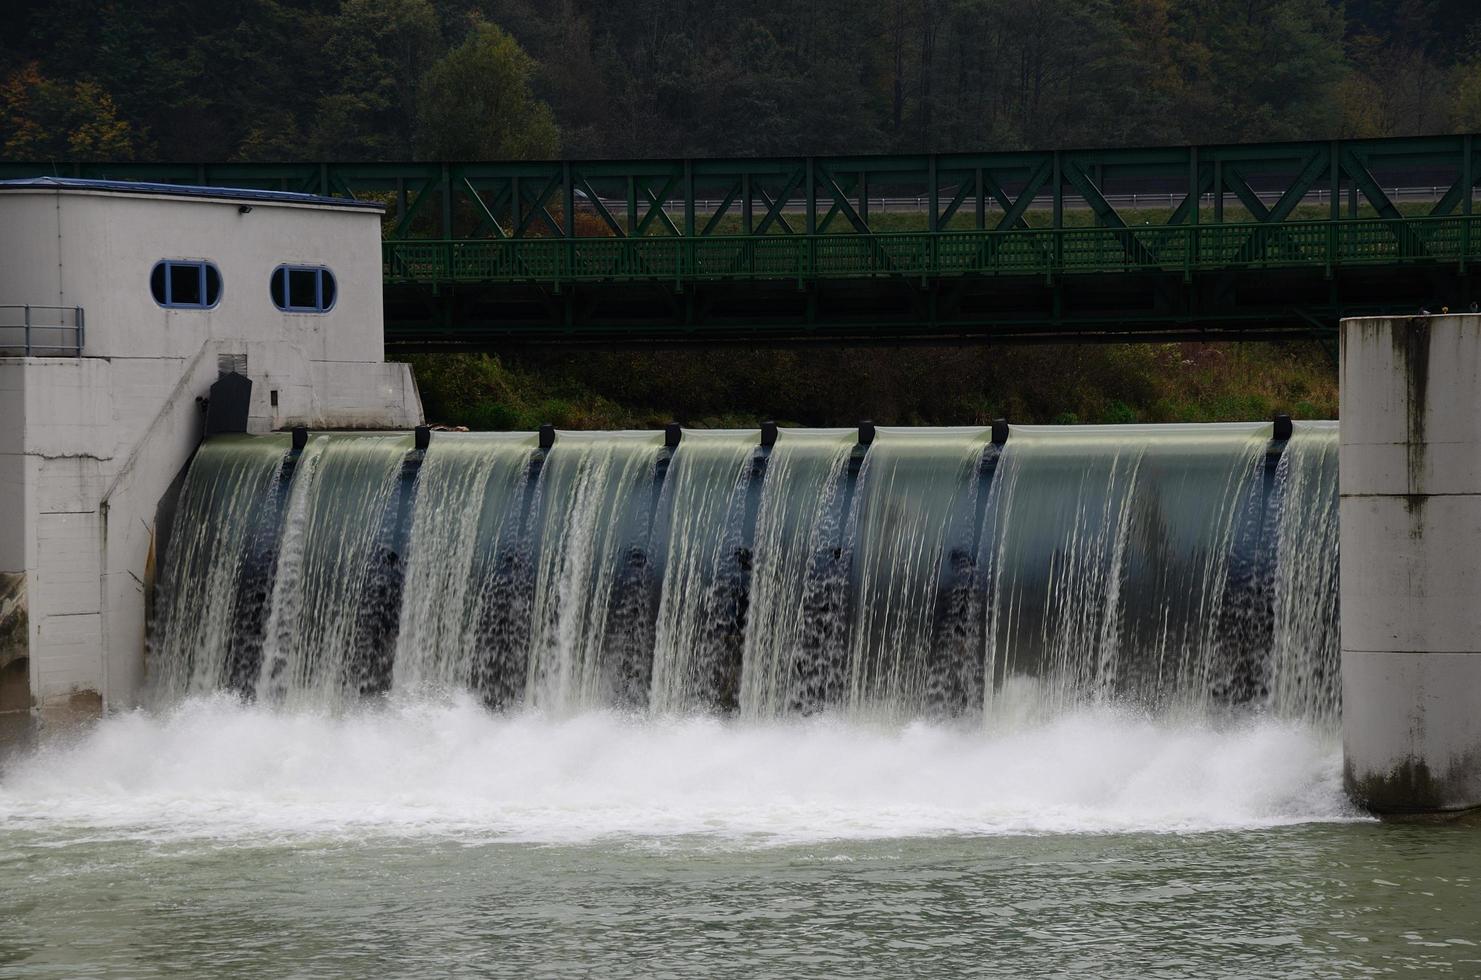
477 103
379 50
1271 67
371 79
1466 98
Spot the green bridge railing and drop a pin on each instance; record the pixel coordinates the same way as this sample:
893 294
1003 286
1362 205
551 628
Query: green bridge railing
1049 252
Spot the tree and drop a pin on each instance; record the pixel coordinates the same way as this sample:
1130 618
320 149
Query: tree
42 119
742 108
1465 106
477 103
1007 73
559 35
379 50
1260 69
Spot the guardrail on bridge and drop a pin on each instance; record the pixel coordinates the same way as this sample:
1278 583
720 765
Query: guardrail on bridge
1047 252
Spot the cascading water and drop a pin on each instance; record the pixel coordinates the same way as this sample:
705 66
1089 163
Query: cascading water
909 531
1305 654
1110 558
703 611
758 677
595 587
326 629
791 660
214 589
469 504
528 575
932 571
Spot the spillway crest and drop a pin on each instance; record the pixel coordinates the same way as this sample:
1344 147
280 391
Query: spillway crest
927 573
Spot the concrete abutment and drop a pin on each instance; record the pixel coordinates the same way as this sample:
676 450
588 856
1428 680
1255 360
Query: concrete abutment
1411 563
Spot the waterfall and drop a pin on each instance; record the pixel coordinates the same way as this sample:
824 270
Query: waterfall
320 629
702 613
799 582
592 619
910 524
918 572
211 581
1111 558
1305 652
467 505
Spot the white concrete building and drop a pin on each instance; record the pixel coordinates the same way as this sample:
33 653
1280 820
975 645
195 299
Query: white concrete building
120 305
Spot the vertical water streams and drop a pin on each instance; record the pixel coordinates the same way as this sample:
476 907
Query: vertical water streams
315 637
1110 556
701 619
232 481
468 502
929 571
1305 650
912 515
797 615
591 623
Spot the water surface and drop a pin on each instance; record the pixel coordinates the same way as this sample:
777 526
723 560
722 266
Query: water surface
420 839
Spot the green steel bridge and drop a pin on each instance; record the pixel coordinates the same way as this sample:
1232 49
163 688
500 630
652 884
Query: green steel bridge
1243 241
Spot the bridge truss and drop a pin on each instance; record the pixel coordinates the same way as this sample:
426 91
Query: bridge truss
1247 240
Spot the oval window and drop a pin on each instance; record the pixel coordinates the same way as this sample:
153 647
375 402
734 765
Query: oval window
302 288
185 285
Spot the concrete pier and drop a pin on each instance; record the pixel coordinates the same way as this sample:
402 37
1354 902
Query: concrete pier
1411 563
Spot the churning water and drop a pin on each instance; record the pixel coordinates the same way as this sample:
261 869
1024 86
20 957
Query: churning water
928 706
213 768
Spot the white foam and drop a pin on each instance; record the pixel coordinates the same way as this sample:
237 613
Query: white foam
213 768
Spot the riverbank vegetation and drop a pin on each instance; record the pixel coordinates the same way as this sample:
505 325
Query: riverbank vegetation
726 387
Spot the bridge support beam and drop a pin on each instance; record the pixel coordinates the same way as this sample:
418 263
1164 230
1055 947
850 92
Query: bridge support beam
1411 563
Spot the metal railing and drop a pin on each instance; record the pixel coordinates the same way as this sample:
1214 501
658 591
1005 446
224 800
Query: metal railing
1184 248
41 331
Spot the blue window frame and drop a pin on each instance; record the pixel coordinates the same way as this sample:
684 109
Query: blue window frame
185 285
303 289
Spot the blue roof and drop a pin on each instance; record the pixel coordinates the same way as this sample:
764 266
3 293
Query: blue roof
184 190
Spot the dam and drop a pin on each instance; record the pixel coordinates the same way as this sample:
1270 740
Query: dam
320 549
886 572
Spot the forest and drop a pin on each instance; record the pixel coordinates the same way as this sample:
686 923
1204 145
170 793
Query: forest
264 80
365 80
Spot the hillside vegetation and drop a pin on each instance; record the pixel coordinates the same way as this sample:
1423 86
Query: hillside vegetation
518 79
